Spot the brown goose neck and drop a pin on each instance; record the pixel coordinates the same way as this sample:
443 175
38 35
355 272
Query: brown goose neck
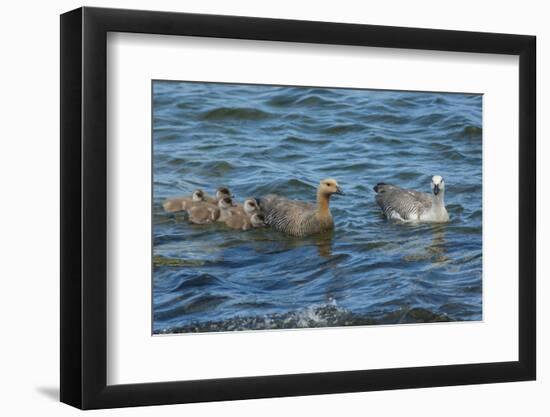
323 201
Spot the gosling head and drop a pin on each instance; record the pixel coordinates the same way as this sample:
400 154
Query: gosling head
250 206
330 186
438 184
223 192
257 220
198 195
225 203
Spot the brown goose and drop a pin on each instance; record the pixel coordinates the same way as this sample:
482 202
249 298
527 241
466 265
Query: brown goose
298 218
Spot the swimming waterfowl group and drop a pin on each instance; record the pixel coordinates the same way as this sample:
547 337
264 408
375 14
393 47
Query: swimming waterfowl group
300 218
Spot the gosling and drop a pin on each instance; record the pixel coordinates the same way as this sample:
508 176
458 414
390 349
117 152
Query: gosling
246 216
225 205
183 203
221 192
257 220
298 218
246 223
413 206
203 213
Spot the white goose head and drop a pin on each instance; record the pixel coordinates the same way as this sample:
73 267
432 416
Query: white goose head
438 185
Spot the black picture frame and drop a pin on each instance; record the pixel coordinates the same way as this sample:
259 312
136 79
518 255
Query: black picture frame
84 207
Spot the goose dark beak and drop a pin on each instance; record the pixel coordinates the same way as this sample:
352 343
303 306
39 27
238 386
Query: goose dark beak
339 191
436 189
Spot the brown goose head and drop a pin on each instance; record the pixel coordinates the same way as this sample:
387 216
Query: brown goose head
329 186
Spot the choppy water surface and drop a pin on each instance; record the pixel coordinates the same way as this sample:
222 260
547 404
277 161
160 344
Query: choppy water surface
263 139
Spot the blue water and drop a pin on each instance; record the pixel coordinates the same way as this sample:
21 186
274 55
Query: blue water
264 139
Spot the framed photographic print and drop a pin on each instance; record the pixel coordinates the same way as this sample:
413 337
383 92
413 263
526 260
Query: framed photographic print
258 207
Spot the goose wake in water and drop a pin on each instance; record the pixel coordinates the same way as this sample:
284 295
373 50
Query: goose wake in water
413 206
298 218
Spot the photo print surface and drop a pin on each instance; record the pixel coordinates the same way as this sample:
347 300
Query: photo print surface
286 207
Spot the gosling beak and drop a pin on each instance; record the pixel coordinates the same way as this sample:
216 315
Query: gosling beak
436 189
339 191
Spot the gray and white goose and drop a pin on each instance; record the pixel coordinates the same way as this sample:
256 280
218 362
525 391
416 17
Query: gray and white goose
413 206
